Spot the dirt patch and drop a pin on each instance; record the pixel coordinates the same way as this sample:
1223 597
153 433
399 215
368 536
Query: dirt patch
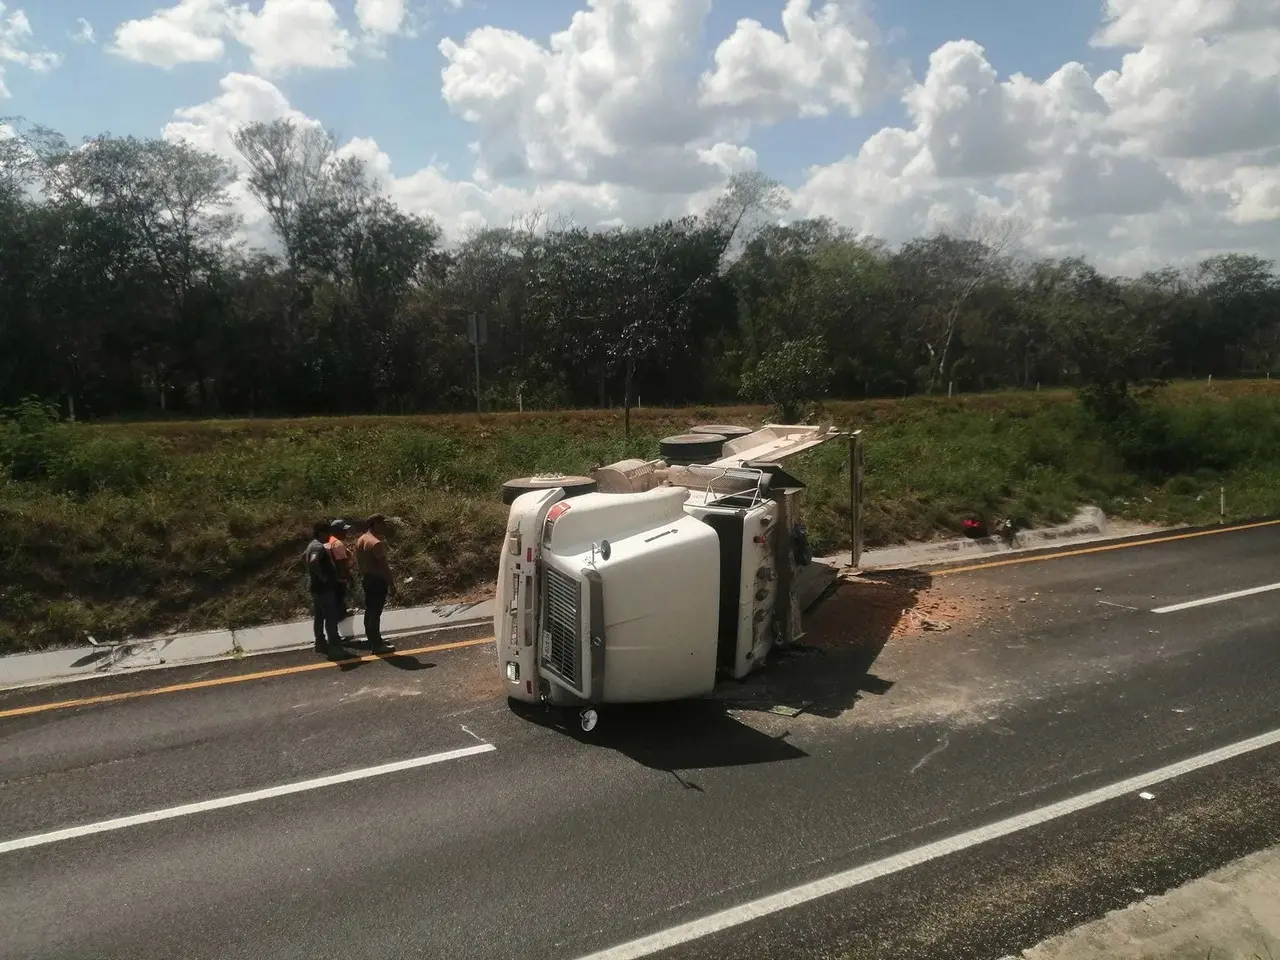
865 612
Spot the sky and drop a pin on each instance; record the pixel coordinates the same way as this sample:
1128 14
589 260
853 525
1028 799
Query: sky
1132 132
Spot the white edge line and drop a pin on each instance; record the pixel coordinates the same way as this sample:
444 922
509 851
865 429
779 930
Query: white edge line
1221 598
765 906
203 806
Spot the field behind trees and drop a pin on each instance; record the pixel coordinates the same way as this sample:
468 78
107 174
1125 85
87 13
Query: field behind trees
129 529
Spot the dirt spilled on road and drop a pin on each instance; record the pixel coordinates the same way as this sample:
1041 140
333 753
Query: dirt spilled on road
867 611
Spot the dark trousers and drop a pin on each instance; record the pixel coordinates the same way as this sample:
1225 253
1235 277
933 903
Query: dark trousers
375 598
325 613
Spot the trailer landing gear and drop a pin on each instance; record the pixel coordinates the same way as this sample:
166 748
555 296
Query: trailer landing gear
588 718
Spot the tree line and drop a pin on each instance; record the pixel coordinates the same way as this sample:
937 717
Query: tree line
124 291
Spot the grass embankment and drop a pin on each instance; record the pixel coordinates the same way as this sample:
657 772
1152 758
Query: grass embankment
132 529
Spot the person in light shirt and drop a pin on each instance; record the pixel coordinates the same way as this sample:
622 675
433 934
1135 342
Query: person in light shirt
375 576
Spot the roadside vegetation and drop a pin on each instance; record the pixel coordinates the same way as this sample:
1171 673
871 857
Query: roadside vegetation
121 529
136 314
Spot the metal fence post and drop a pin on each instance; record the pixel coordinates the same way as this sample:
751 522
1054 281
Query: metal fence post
856 471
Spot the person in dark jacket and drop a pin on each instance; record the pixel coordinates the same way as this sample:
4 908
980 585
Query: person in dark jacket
323 579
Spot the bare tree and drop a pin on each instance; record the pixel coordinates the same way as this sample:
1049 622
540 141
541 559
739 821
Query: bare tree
25 151
289 165
749 198
990 239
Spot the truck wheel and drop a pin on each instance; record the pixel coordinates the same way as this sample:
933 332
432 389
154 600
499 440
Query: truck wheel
573 486
723 429
588 719
689 448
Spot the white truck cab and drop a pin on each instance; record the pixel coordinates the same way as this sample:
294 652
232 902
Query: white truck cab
654 588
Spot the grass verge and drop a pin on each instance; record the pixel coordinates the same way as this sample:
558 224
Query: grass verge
133 529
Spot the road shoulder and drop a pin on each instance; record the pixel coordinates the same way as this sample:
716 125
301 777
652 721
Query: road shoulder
1231 912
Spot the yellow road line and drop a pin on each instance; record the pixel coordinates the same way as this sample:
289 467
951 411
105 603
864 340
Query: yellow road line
223 681
1104 549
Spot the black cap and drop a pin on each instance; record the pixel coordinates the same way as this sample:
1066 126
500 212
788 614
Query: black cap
339 526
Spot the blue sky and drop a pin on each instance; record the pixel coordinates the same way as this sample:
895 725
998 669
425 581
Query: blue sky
397 101
1134 132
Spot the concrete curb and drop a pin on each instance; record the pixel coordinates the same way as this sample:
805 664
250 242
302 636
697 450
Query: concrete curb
1089 525
84 663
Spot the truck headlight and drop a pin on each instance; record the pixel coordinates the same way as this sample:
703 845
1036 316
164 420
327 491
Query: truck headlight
513 671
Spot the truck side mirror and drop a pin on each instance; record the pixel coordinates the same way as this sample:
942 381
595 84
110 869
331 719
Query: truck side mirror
605 549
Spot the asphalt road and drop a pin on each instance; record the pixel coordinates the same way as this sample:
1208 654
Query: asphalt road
556 844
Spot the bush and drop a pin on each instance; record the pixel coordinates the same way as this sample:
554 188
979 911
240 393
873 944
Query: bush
70 458
29 440
790 378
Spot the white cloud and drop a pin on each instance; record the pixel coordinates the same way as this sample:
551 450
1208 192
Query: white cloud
280 35
619 118
190 32
1198 97
829 60
293 35
381 16
1133 23
610 99
458 205
602 102
84 32
15 47
1170 155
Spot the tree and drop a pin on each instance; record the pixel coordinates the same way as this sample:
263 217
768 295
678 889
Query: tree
749 196
171 201
1112 346
791 378
290 164
953 267
126 288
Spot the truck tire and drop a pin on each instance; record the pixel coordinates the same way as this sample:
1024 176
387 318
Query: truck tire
573 486
723 429
690 448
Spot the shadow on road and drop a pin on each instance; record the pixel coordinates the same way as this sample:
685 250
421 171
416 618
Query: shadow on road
829 670
360 648
672 737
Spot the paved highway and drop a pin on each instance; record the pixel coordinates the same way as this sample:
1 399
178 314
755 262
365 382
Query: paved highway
427 819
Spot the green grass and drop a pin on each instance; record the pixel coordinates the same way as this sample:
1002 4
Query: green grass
132 529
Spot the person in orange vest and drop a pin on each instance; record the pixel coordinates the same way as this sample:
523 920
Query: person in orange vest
344 561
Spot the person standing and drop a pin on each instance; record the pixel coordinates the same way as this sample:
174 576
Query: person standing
323 581
376 578
344 561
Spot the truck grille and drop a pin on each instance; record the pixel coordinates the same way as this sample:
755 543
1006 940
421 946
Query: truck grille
561 638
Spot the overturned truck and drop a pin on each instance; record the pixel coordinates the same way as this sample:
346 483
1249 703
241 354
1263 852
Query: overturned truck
664 581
